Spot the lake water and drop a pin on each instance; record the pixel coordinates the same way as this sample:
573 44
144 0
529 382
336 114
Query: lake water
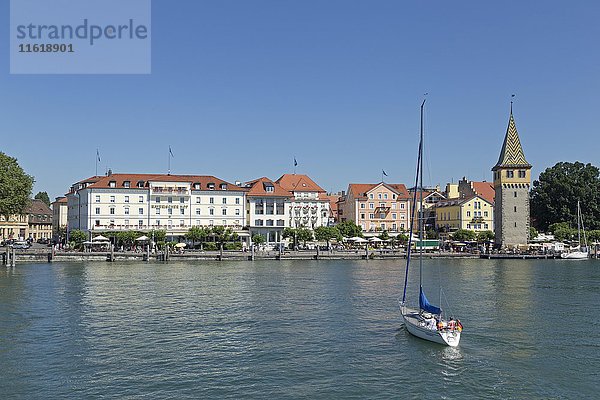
296 329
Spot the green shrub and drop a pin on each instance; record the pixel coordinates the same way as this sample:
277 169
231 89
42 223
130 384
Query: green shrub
210 246
233 246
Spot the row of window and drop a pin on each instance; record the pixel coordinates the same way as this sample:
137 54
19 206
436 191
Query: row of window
269 222
372 205
211 211
511 173
477 213
382 216
477 226
158 223
383 226
158 199
382 196
141 184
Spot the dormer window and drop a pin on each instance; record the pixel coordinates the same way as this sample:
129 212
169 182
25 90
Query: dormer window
127 184
223 186
269 188
211 186
196 186
112 184
140 184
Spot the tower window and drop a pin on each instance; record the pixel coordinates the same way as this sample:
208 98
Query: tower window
515 194
515 224
510 174
521 174
515 208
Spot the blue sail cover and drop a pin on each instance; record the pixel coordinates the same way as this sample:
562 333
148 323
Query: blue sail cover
425 306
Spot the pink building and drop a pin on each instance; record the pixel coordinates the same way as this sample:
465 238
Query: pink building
376 207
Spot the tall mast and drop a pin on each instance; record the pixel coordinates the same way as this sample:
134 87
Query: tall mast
413 208
578 223
420 210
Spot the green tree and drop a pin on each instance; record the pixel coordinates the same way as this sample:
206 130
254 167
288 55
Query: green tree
594 236
223 235
431 234
77 237
259 239
555 195
533 233
43 196
197 234
562 231
384 236
485 236
290 233
159 235
15 187
126 238
327 233
349 229
464 235
304 235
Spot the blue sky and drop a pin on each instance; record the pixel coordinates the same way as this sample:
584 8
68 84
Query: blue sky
240 88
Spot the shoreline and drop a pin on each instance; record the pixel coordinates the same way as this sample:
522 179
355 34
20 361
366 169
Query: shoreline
49 257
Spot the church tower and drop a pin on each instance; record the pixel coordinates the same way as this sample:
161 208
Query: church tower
512 178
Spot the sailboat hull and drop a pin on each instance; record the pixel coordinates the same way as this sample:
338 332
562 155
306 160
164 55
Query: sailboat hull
575 255
417 326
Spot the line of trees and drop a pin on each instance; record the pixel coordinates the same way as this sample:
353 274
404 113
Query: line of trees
555 194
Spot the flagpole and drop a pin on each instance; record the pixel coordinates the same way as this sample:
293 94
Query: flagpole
169 157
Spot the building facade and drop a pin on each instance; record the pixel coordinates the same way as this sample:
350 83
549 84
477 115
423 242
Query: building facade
473 213
376 207
15 227
145 202
39 221
292 201
59 217
512 179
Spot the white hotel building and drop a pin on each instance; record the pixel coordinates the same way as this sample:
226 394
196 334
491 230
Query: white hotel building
147 201
292 201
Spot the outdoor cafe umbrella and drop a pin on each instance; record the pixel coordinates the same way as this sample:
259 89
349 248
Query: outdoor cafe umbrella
358 239
375 239
142 238
180 245
100 238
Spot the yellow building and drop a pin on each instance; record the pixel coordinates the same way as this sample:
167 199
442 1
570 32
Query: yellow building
473 213
14 228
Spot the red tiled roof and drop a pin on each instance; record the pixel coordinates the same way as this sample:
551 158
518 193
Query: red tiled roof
361 189
333 202
401 189
258 188
458 201
298 183
485 190
38 207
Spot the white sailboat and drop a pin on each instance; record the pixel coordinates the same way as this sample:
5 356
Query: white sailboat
580 252
425 321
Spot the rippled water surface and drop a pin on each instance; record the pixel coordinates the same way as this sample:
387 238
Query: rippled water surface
302 330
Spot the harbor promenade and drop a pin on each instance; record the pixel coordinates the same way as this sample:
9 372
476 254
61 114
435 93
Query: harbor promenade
361 254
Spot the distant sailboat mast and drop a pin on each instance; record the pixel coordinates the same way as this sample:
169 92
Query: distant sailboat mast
413 209
420 209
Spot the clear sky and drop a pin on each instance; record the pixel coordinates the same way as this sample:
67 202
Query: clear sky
240 88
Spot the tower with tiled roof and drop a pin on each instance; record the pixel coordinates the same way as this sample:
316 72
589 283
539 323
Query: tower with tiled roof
512 179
